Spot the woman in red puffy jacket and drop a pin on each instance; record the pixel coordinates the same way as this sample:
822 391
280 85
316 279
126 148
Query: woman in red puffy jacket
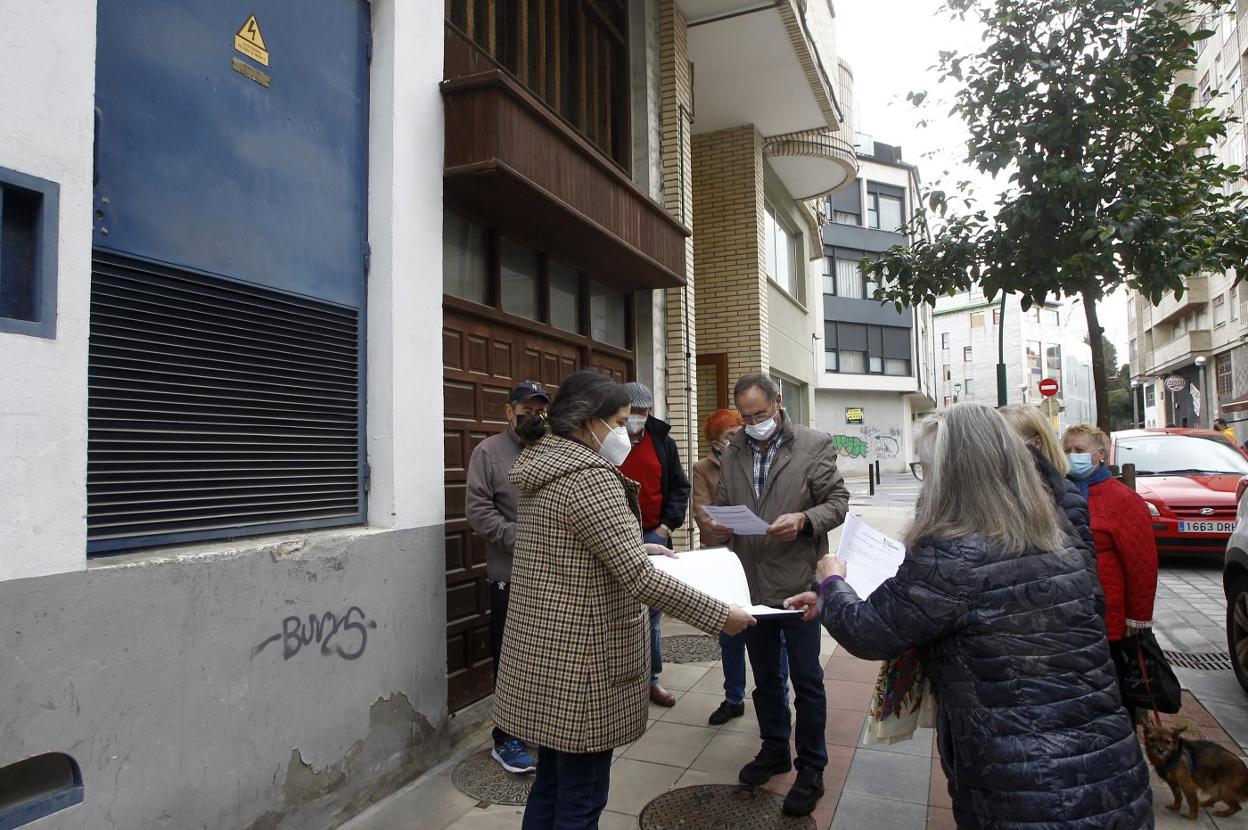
1126 552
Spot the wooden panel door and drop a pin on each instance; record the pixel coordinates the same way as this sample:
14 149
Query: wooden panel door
482 360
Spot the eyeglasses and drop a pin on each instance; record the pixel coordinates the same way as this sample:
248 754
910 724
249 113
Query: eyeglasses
758 417
916 469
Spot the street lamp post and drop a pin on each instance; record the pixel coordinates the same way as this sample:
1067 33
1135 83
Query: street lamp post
1204 391
957 390
1001 397
1135 403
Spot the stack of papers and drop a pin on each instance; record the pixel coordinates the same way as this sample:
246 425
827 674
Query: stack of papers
718 572
738 518
870 557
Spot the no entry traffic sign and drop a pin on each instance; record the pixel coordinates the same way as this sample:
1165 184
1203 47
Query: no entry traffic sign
1048 387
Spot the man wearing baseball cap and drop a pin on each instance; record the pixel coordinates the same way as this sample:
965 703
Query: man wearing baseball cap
490 507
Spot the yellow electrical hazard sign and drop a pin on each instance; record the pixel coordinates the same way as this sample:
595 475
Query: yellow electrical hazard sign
250 42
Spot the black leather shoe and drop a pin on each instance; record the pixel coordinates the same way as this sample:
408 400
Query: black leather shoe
805 793
766 763
726 712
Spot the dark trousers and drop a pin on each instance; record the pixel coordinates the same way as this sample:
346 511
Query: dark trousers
801 639
499 594
569 790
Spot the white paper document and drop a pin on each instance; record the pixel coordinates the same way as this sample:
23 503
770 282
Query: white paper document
718 572
870 557
738 518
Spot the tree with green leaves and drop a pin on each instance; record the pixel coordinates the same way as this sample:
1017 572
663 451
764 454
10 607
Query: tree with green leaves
1087 107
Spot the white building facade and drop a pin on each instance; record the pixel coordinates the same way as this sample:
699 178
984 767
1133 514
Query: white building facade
1047 342
1188 362
875 375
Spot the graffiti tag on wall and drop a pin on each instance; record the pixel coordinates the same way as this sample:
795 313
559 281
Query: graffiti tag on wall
345 636
870 443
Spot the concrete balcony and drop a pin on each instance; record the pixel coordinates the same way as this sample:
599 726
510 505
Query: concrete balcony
759 63
812 163
1196 295
1180 351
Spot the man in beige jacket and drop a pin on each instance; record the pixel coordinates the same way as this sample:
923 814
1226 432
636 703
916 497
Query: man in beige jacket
786 474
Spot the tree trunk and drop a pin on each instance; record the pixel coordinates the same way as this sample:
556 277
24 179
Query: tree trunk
1096 339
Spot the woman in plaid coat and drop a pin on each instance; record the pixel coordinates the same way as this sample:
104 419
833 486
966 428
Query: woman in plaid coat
575 663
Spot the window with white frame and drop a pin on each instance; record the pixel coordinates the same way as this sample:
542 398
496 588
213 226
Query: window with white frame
885 207
783 261
849 282
1219 311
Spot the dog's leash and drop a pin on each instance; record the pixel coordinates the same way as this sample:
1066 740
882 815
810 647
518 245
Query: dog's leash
1139 653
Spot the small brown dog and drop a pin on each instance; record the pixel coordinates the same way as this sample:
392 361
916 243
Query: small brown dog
1189 766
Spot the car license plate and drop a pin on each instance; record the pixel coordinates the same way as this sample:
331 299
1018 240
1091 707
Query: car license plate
1207 527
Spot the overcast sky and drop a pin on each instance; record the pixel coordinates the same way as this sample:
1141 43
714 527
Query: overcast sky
892 45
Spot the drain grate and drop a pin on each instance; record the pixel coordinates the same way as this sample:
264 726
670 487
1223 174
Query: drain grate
1203 661
479 776
720 807
690 648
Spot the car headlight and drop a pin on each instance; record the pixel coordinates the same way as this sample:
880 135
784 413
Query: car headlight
1152 509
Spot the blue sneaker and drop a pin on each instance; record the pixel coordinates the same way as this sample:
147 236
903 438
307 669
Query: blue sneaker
513 757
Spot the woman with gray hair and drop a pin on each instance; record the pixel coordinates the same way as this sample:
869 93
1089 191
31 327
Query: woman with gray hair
999 601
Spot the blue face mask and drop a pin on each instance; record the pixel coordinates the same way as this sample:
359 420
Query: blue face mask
1081 465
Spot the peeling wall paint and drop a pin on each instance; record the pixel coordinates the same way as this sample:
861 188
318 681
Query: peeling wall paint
145 671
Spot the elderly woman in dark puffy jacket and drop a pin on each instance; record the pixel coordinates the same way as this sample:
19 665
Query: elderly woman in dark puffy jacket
1000 603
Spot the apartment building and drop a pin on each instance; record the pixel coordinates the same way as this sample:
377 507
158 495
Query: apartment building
876 375
1042 342
277 269
1189 364
770 140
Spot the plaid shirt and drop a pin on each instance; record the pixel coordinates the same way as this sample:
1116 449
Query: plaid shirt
762 461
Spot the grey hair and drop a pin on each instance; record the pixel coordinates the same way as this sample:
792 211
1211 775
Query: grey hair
639 395
757 380
981 481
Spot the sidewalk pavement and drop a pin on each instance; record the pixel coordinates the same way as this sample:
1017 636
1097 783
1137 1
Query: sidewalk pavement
899 787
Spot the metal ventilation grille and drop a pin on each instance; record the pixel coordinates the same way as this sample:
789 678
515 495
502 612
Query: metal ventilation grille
216 409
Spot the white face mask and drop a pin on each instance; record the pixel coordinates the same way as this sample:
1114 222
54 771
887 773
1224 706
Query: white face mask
763 431
616 446
636 423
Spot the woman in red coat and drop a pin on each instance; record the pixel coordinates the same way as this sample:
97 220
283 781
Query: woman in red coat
1126 552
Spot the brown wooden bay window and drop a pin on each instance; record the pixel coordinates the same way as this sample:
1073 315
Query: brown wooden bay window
573 54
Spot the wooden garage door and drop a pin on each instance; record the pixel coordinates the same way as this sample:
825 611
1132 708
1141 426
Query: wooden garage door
483 359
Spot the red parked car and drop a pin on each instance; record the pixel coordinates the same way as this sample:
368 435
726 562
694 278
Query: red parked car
1189 479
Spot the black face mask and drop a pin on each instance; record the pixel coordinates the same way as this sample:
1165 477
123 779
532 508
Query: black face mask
521 420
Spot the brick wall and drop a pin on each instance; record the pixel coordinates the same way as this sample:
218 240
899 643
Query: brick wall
681 340
728 244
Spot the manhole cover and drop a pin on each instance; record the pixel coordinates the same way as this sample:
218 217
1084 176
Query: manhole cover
720 807
479 776
690 648
1204 661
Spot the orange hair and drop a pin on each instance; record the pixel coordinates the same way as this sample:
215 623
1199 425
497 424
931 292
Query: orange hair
718 421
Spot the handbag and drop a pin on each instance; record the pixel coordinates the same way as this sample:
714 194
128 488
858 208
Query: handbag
902 702
1148 682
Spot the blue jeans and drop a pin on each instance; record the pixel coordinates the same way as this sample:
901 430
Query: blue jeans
569 790
656 618
732 652
766 641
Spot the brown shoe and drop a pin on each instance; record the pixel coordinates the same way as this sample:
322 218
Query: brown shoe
661 696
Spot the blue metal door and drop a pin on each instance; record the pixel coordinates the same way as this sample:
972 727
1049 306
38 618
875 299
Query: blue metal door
232 139
227 330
